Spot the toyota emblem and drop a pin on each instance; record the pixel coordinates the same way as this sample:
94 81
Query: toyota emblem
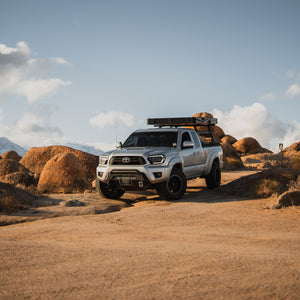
125 160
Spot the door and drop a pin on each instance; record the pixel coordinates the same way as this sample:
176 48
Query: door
188 156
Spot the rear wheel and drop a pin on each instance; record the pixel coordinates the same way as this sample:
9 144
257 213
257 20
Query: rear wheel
213 179
108 191
174 188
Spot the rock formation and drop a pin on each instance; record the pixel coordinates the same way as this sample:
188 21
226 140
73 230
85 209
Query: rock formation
63 173
8 166
231 157
228 139
249 145
36 158
11 155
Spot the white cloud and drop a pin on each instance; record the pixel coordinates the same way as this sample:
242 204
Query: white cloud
111 118
36 88
293 90
21 75
290 74
33 130
293 75
255 121
267 97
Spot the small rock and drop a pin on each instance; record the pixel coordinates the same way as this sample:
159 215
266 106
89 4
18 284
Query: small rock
289 199
74 203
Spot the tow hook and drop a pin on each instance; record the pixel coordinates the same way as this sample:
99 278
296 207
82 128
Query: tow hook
141 184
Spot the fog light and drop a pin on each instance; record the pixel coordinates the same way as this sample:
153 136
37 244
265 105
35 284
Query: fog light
157 174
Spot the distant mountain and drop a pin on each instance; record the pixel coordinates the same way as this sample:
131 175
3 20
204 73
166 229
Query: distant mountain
7 145
85 148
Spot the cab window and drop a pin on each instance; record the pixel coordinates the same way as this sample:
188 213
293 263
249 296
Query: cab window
185 137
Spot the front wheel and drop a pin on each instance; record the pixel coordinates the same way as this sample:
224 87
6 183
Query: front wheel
174 188
108 191
213 179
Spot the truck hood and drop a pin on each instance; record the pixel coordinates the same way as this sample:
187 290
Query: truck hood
142 151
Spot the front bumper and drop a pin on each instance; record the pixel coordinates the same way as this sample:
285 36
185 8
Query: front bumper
133 178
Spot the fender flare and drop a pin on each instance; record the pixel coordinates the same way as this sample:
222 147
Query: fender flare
212 158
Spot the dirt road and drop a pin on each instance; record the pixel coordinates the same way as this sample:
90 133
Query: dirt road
205 246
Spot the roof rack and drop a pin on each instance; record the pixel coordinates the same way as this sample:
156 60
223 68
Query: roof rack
184 121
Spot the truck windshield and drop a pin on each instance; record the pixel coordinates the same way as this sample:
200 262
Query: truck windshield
152 139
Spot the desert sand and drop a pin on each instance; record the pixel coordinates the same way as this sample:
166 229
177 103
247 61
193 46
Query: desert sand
204 246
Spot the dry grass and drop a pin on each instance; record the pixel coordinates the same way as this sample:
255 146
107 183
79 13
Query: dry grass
7 204
31 188
234 162
267 187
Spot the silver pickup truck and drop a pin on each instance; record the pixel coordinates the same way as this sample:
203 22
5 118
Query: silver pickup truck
162 158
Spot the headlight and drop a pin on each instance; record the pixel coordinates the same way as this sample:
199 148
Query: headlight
103 159
156 159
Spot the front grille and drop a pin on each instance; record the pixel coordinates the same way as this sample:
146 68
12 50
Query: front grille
127 160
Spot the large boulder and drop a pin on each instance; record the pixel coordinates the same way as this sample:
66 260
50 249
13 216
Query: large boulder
249 145
203 115
292 154
293 148
8 166
11 155
218 132
232 158
228 139
36 158
63 173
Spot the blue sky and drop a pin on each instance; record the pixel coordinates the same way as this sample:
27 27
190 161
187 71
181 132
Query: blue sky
70 68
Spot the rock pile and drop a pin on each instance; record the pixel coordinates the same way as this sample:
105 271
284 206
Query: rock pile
37 157
236 151
52 169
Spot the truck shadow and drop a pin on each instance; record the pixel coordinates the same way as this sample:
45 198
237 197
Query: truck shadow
193 194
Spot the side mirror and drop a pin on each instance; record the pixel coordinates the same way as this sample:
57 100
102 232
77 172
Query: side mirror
187 145
118 145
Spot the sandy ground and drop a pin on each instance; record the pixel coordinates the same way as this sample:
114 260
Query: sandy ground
205 246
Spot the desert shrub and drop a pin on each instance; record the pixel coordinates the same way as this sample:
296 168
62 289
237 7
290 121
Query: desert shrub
31 188
234 162
267 187
7 204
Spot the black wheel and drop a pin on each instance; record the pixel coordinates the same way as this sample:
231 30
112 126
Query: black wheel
107 191
213 179
174 188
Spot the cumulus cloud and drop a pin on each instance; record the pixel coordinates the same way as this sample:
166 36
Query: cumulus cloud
267 97
111 118
256 121
293 75
33 128
21 75
293 90
36 88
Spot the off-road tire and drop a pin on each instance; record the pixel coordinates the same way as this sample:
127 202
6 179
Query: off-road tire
174 188
213 179
107 191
